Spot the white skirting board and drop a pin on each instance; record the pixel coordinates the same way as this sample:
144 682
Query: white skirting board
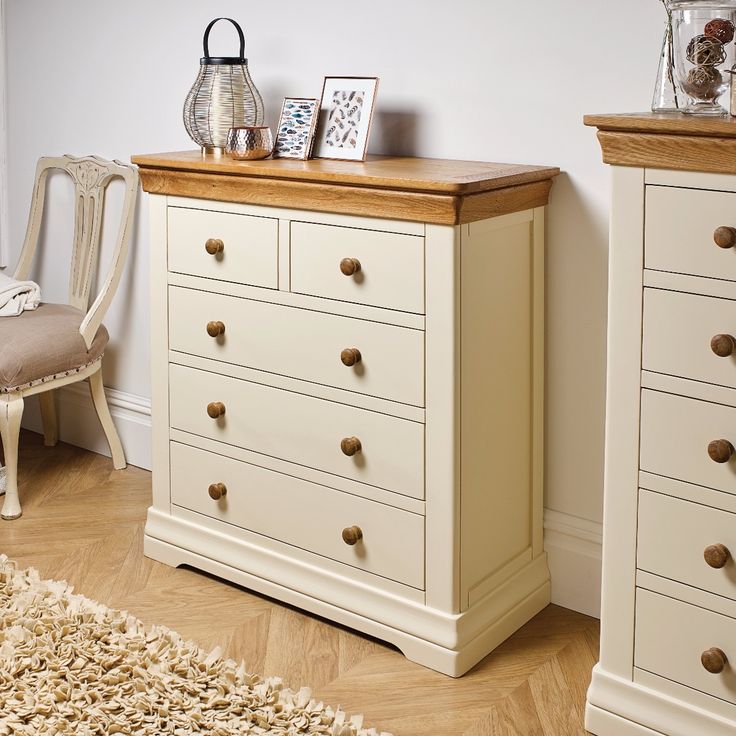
79 425
573 545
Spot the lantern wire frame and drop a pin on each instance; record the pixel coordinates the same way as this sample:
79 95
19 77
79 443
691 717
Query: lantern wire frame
223 96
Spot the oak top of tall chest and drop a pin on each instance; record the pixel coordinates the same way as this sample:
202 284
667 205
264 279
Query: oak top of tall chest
399 187
667 141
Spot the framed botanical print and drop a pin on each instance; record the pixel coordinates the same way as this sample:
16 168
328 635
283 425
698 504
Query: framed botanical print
295 134
345 116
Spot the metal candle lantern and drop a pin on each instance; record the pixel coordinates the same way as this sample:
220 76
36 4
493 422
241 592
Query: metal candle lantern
223 96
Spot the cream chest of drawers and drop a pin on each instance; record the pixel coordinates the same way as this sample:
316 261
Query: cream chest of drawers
668 638
348 390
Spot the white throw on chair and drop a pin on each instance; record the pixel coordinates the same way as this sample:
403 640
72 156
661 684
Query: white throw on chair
58 344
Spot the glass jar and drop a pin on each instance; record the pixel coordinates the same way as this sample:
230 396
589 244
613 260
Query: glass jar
704 34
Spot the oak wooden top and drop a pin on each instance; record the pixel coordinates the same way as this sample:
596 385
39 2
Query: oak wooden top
668 141
670 123
420 189
389 172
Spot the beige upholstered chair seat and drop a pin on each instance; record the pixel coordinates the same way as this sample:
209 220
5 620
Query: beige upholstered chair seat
44 344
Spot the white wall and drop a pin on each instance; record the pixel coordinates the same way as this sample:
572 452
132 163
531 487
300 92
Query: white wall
471 79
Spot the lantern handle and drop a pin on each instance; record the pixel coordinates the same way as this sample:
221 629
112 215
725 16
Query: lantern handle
206 39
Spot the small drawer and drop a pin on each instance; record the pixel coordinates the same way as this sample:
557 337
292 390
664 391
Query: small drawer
390 541
362 266
679 434
672 636
676 537
301 344
243 249
301 429
680 227
690 336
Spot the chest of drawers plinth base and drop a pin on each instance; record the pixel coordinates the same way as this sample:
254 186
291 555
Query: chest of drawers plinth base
348 409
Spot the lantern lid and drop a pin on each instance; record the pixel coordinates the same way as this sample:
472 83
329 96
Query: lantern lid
224 60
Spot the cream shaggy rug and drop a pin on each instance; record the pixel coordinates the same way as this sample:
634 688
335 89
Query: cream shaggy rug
69 665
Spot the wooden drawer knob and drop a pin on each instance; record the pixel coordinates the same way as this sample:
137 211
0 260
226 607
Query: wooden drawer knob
350 356
350 446
350 266
725 237
214 246
720 451
215 329
723 345
215 409
714 660
217 491
716 555
352 535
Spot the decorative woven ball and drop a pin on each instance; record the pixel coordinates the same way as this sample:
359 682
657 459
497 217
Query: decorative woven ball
703 83
720 28
706 51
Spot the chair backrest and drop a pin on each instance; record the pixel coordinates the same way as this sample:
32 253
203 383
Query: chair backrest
91 176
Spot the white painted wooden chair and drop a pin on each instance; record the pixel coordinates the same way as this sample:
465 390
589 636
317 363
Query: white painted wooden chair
58 344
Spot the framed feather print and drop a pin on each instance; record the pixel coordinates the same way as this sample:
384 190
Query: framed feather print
345 116
295 134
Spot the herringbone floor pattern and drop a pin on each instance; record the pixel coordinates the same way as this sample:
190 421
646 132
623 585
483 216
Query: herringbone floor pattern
83 522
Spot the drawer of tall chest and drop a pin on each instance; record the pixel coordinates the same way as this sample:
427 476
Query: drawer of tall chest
688 439
672 637
380 269
687 542
690 336
363 446
366 357
377 538
225 246
681 225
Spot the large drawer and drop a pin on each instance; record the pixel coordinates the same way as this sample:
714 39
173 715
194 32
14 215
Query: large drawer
249 252
300 513
680 224
671 637
675 434
391 266
673 535
301 343
301 429
678 329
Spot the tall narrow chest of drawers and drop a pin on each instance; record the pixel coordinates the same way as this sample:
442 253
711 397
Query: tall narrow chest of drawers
668 639
348 390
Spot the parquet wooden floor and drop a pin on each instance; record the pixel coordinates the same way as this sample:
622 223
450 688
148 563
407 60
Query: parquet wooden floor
83 522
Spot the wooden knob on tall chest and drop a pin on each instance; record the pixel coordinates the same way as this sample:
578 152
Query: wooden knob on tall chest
217 491
214 246
350 356
215 409
714 660
720 451
350 446
723 345
350 266
716 555
725 237
352 535
215 329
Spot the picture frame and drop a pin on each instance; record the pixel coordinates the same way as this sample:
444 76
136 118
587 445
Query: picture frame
345 117
296 128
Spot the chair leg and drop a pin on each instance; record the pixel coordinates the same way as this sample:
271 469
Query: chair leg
11 411
103 412
48 415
